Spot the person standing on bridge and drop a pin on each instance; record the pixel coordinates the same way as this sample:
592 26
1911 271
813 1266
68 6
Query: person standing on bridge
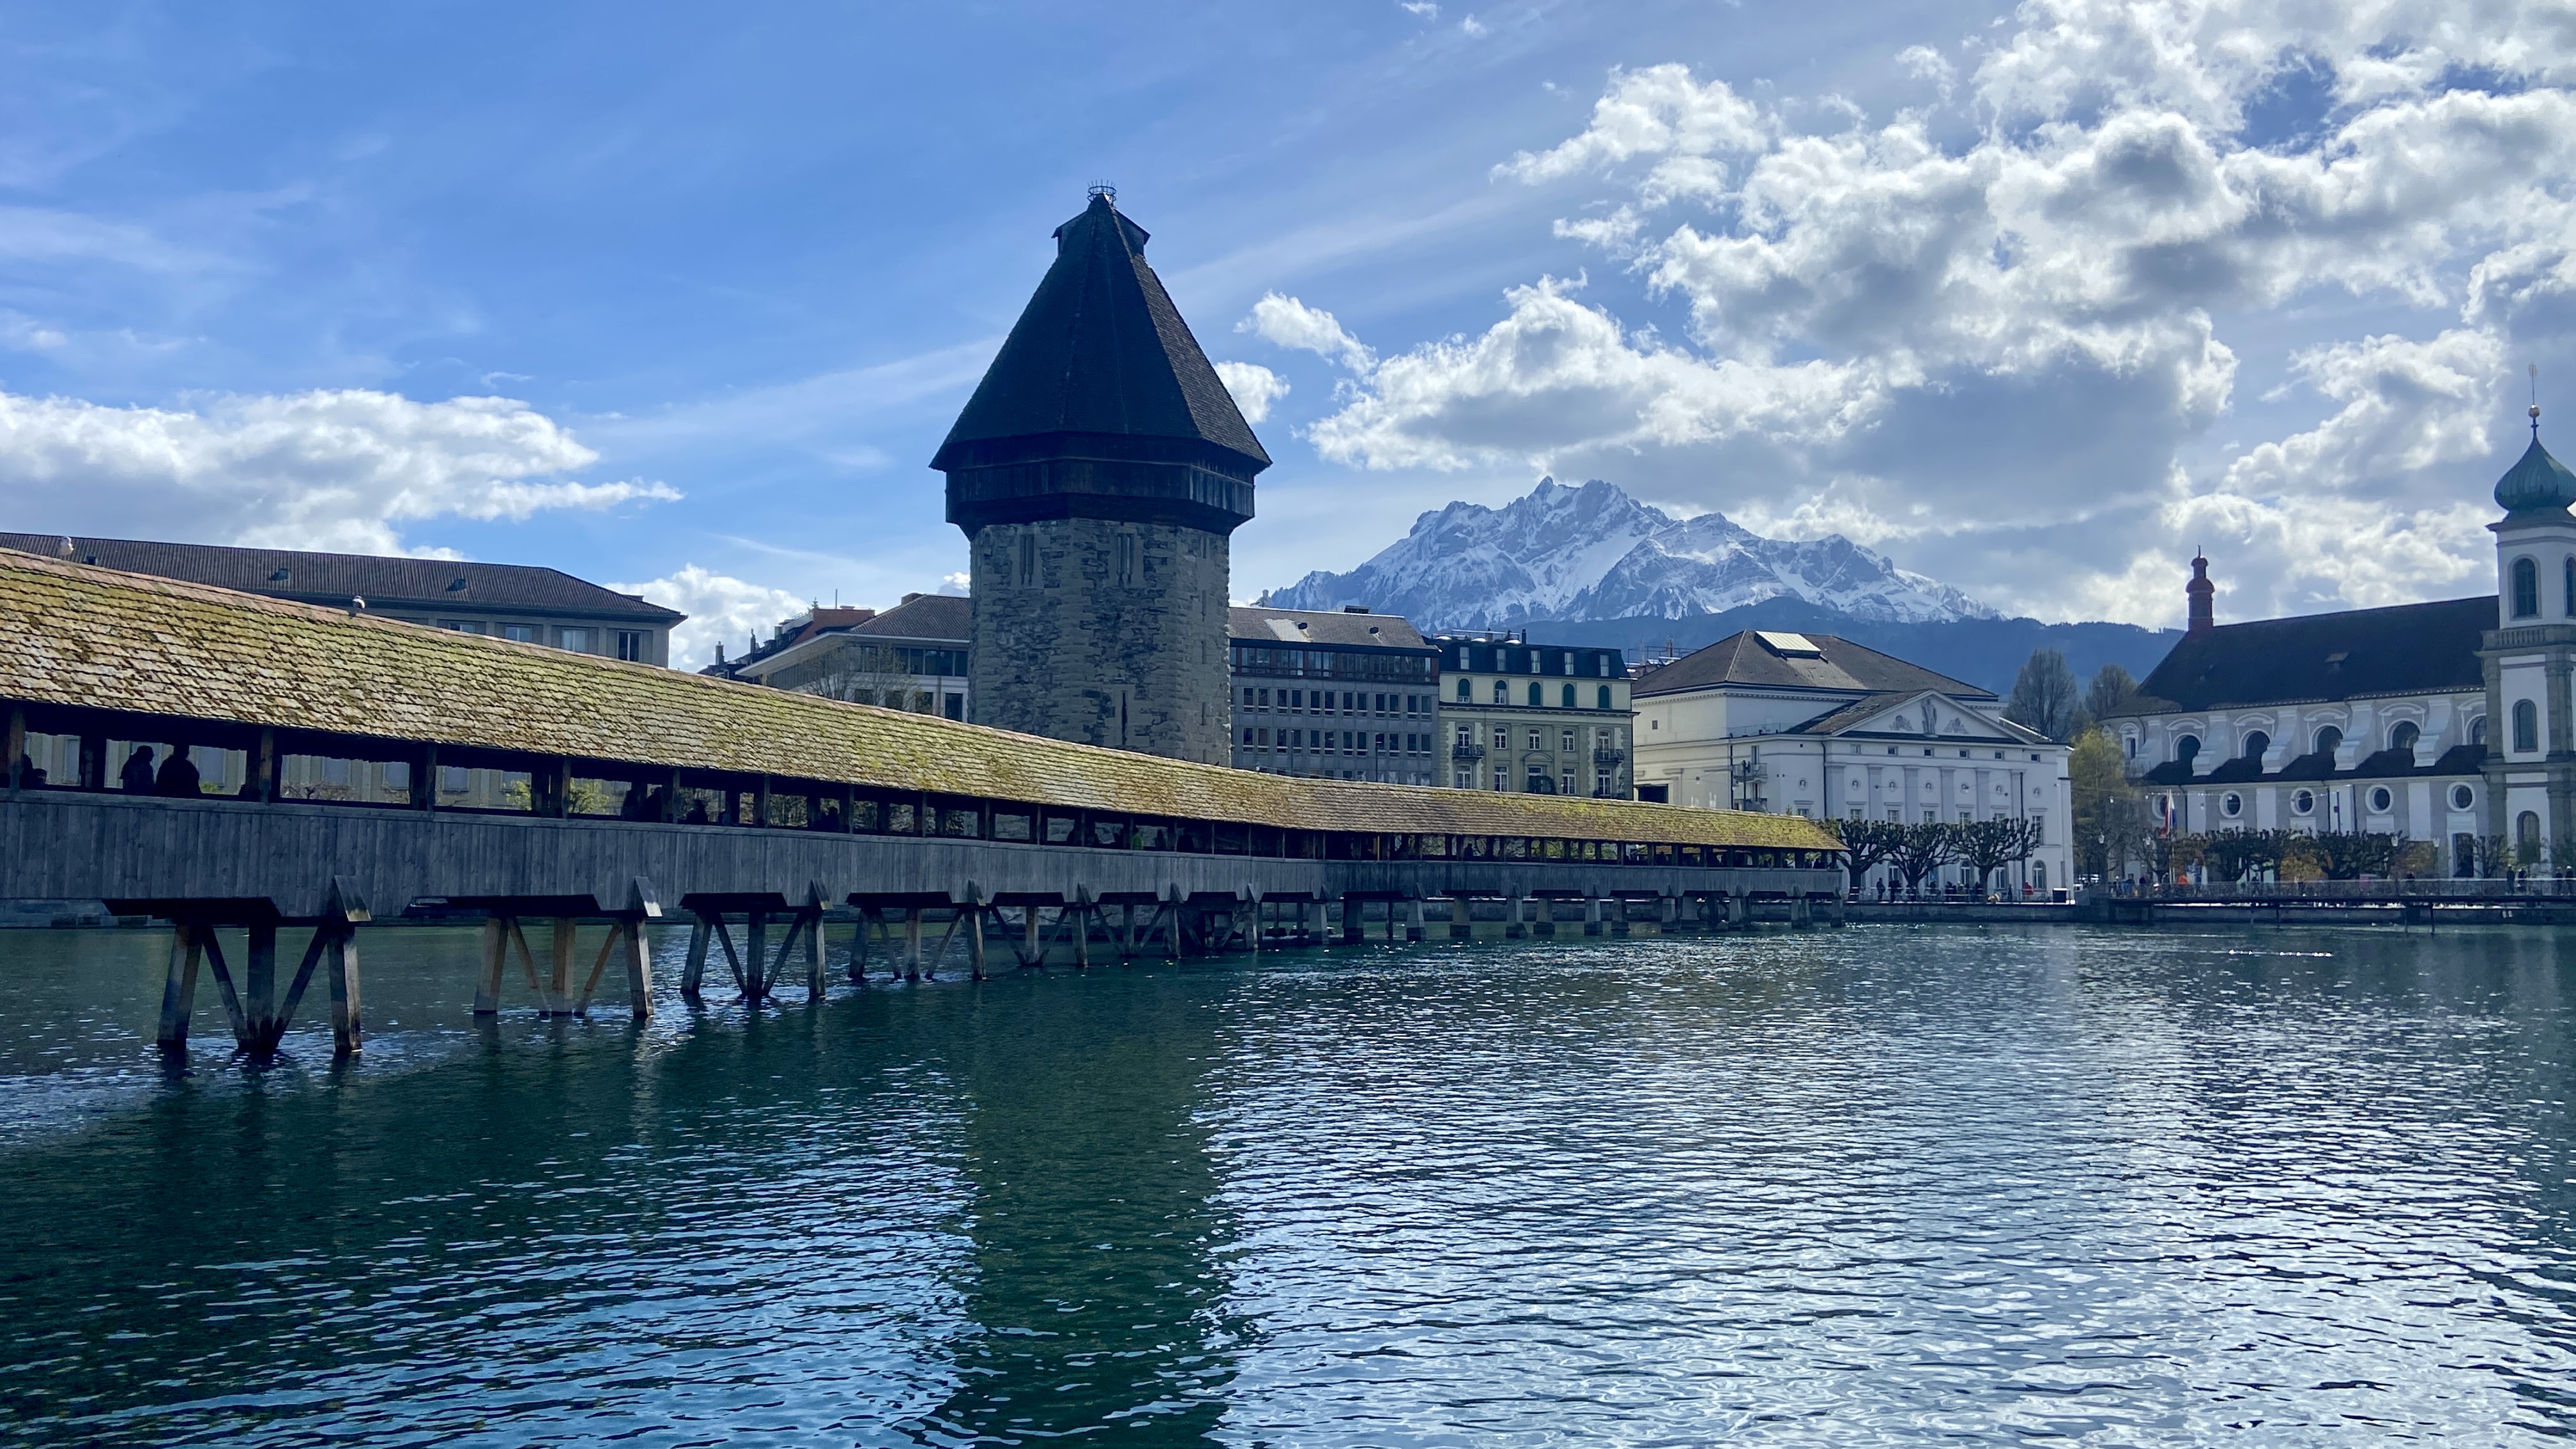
136 777
178 775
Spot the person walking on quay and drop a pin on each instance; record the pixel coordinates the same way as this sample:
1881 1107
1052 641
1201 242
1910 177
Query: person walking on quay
178 775
136 777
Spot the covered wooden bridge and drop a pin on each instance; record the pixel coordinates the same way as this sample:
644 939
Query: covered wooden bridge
342 768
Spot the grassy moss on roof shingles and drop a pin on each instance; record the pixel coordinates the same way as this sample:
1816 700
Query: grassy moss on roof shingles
77 635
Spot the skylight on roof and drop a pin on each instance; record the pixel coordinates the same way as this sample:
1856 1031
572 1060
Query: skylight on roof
1789 646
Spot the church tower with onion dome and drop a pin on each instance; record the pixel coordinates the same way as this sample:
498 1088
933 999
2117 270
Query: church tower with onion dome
1099 472
2531 658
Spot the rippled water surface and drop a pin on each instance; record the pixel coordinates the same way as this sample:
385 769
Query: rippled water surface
1877 1185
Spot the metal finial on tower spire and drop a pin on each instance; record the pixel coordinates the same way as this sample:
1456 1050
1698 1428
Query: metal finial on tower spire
2535 402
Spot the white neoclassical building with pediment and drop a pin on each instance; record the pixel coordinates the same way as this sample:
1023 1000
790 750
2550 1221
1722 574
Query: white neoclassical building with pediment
1818 726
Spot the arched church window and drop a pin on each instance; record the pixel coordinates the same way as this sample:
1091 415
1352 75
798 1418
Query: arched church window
2526 726
2478 730
2255 744
2526 589
2329 740
2187 748
2404 737
2526 837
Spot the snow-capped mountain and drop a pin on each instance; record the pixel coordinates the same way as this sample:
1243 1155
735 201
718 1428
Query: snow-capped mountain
1595 553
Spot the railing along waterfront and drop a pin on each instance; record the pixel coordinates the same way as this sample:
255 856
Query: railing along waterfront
2394 889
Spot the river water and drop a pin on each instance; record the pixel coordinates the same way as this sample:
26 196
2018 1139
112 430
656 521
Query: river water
1876 1185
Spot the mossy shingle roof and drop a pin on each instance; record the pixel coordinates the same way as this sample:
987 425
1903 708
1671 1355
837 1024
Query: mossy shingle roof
82 636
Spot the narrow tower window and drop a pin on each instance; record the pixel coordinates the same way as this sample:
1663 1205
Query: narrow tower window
2526 589
2569 572
2526 726
1127 559
1028 560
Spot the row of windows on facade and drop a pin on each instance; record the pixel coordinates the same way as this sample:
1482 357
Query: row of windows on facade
1607 737
1342 701
2328 739
624 643
2379 798
2526 588
1539 781
1896 815
1348 742
1283 661
1535 695
1530 659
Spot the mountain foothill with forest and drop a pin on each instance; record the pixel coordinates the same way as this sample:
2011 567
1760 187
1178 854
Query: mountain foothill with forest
1592 565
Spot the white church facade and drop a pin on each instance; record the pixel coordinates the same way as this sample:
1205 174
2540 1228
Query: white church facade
2450 722
1818 726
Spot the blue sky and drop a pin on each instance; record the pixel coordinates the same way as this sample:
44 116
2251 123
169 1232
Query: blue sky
2030 299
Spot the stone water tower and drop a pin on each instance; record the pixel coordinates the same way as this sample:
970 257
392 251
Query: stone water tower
1099 472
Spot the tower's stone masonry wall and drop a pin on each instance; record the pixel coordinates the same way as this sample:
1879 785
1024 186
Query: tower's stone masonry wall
1083 653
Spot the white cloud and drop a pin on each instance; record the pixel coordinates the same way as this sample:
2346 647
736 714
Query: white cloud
1472 26
1254 387
336 470
2000 329
1424 8
956 586
1287 322
722 611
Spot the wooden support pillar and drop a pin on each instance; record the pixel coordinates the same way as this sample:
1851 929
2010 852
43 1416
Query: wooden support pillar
859 946
1413 928
1543 910
1252 937
1127 932
755 957
1668 910
1739 912
13 758
815 984
693 975
1516 923
1618 915
975 934
636 954
1032 950
912 942
1592 915
558 992
347 1032
424 779
1354 921
760 802
1177 901
1080 912
179 986
93 762
1319 922
1462 918
1802 913
487 975
939 957
259 986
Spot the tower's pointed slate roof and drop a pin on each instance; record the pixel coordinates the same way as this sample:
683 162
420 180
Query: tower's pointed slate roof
1101 351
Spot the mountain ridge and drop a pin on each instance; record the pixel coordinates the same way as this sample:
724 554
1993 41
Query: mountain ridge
1595 554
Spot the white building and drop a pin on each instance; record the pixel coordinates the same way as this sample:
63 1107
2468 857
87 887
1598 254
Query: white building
1821 727
2380 719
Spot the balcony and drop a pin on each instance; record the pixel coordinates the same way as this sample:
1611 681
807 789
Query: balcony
1606 758
1467 754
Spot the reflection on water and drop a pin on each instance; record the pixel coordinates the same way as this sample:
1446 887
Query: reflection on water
1881 1184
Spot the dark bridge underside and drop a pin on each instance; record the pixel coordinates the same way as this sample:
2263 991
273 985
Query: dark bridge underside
74 846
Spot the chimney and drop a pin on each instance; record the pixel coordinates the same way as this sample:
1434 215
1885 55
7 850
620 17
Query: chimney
2201 591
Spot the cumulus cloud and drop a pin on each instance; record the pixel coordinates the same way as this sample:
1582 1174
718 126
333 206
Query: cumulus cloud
1254 387
339 470
722 611
1287 322
2007 327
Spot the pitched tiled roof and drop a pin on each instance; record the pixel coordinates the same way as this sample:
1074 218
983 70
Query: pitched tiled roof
1100 349
1329 628
1743 659
2355 654
333 578
90 637
924 616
